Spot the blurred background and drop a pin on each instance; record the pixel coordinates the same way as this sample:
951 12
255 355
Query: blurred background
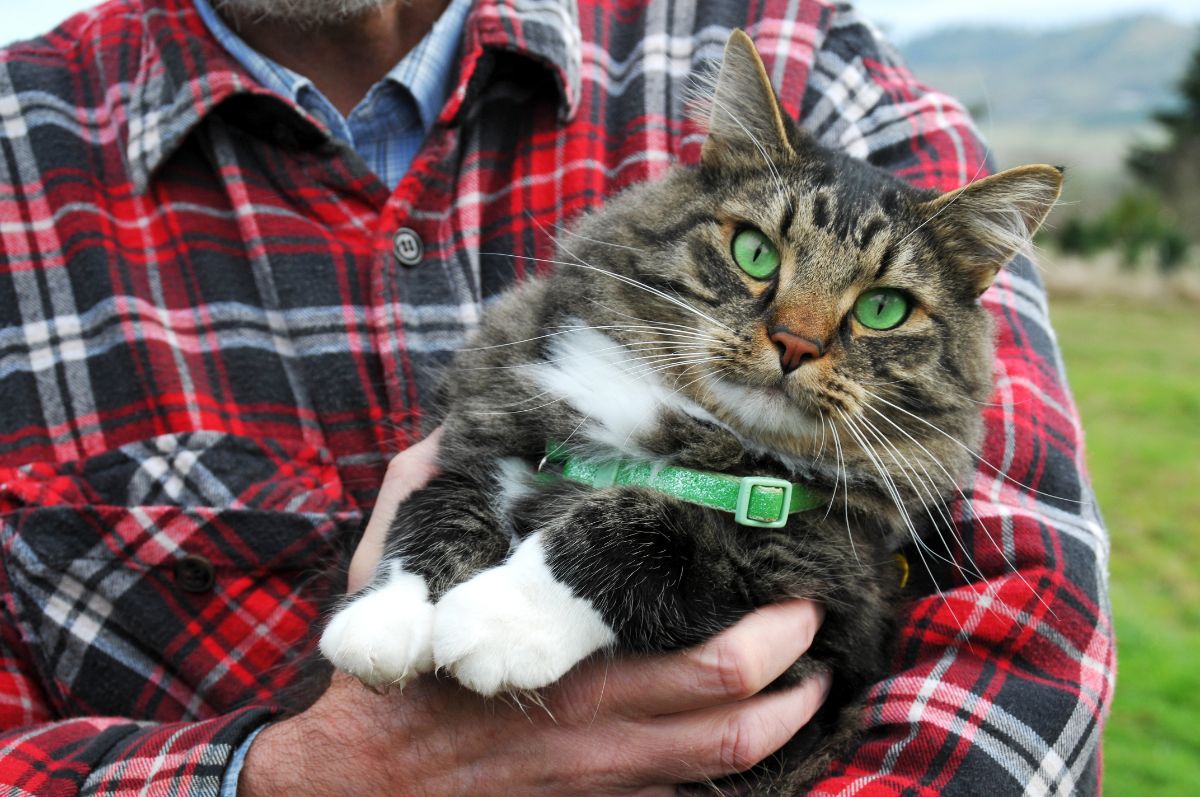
1111 90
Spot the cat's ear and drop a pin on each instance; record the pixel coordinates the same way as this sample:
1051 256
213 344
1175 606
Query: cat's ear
744 117
988 221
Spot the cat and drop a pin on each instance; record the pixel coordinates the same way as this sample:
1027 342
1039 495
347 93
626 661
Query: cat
778 310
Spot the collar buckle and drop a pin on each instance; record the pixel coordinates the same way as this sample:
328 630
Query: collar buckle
763 502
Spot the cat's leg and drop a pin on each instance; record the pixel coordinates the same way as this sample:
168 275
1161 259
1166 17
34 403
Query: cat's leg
516 626
619 566
381 634
691 442
443 534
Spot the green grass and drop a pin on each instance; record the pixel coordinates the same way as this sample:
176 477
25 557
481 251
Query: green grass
1135 373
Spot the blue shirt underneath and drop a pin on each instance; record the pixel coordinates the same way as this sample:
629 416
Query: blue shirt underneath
388 125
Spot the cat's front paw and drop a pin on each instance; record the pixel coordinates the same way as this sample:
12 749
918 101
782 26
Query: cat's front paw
713 449
515 627
693 443
383 636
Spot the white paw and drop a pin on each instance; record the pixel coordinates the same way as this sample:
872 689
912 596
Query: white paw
515 627
383 637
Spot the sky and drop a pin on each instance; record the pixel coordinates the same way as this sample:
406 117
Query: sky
901 18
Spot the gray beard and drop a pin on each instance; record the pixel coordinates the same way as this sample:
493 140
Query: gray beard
304 13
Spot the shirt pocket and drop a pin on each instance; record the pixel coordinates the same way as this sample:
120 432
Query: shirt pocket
173 578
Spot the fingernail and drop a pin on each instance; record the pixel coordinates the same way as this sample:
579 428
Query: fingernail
809 605
824 680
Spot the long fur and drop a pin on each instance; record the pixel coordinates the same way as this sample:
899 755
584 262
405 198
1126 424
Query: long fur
650 341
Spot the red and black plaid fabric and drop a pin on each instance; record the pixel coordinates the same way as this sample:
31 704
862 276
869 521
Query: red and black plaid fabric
208 350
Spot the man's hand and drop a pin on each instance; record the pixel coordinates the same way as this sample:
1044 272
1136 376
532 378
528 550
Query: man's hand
627 726
406 473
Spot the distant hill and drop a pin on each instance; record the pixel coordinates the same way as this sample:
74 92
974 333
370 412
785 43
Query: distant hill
1099 75
1076 96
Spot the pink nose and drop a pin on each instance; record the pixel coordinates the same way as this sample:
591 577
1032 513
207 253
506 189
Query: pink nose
794 350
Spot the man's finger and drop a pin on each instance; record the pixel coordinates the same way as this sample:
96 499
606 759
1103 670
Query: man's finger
407 472
726 739
734 665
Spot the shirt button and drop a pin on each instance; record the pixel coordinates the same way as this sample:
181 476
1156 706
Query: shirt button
194 573
407 247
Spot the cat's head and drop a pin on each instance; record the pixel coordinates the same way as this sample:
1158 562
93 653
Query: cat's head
826 299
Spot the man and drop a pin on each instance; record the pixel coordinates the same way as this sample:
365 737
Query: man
228 274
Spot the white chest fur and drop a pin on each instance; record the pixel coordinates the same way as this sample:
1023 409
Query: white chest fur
617 390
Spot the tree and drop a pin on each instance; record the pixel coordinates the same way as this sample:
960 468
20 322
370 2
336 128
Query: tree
1172 170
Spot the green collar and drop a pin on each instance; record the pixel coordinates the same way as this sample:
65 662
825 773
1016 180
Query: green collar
758 501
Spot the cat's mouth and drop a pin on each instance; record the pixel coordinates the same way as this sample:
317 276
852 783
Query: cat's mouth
768 414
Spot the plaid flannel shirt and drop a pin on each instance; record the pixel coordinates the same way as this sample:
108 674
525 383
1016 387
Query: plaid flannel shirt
209 346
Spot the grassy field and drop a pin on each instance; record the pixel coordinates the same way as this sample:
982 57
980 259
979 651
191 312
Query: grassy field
1135 372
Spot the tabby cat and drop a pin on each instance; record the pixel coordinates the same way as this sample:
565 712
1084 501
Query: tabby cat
779 310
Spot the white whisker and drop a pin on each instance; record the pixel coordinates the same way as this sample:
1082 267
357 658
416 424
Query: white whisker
757 144
513 342
967 448
663 331
968 505
895 496
664 324
664 366
921 493
957 193
573 234
845 477
622 278
649 346
528 409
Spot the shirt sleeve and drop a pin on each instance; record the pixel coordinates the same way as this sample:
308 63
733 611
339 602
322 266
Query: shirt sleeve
229 781
105 755
1003 677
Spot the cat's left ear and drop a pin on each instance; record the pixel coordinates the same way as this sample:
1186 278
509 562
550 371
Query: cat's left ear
988 221
744 115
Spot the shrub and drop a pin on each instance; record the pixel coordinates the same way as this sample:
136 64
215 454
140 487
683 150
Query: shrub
1135 223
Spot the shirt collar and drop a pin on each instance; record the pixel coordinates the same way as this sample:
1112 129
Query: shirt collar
271 75
428 71
425 72
184 73
547 31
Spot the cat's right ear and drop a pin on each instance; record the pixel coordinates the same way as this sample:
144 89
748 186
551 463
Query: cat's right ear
744 115
987 222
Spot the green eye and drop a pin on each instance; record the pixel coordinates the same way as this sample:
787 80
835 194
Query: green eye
755 253
882 308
